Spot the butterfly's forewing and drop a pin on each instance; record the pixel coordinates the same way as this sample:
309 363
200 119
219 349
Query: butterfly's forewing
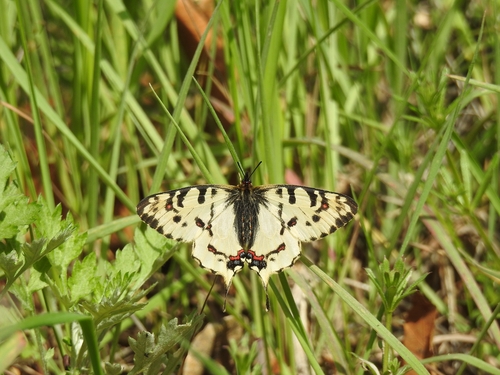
308 213
182 214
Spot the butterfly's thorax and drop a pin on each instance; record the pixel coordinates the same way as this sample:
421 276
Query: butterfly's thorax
246 203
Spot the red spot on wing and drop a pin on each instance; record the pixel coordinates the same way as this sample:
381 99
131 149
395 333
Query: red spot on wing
236 257
255 257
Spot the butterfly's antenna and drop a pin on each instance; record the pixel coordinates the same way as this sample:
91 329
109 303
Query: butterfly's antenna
242 171
250 175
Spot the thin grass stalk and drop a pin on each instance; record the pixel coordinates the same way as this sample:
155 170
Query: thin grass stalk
38 127
95 121
492 215
271 118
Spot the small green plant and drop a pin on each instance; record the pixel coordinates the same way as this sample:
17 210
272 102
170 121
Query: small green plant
392 285
244 358
37 248
394 367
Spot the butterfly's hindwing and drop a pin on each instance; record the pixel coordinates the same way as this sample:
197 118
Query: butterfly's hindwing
275 250
214 248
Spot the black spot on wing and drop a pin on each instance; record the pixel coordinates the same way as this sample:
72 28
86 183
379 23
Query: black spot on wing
201 196
140 207
177 219
280 210
312 196
353 206
181 196
344 200
325 205
209 229
169 204
150 220
315 218
292 222
235 265
281 247
341 221
291 195
199 222
279 192
252 259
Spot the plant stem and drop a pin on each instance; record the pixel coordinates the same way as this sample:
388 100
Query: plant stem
387 348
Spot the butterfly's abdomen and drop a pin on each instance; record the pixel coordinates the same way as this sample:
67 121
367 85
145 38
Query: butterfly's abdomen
246 213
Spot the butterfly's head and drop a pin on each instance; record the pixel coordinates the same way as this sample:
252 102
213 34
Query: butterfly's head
246 181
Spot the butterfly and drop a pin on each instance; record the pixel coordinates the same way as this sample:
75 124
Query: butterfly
261 226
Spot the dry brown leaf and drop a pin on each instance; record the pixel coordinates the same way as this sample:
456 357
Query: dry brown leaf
192 20
419 327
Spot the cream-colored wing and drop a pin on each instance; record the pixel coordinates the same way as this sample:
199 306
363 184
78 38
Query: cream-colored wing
182 214
202 215
273 249
218 246
308 213
291 215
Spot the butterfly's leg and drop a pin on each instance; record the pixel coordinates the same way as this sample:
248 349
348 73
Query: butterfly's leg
267 299
228 285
